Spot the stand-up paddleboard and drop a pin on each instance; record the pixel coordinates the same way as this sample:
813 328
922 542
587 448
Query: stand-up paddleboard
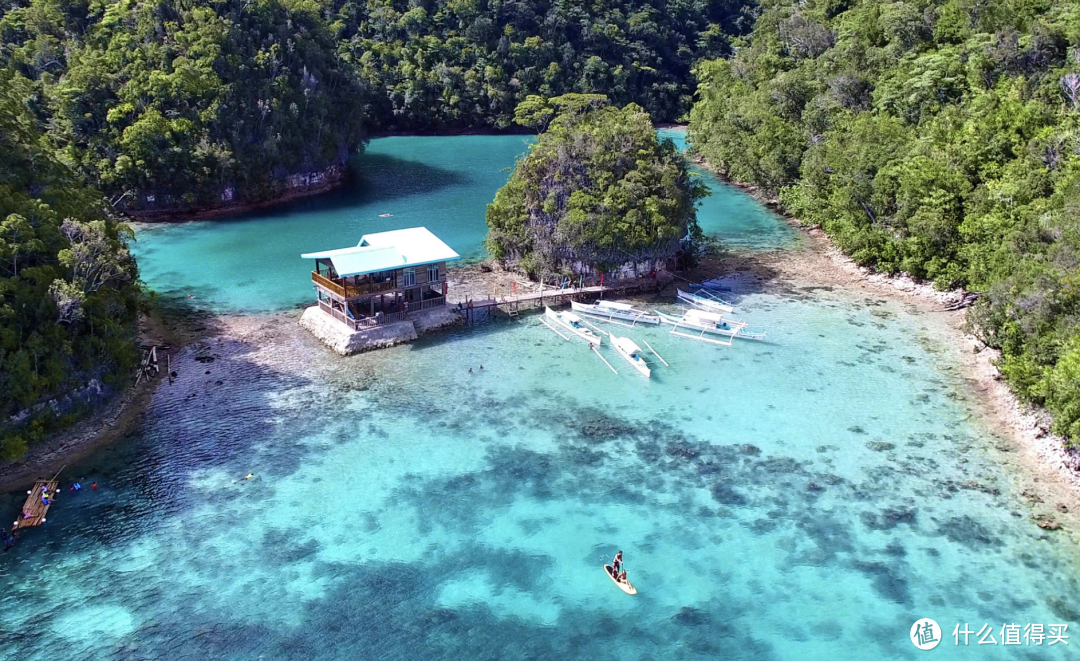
625 587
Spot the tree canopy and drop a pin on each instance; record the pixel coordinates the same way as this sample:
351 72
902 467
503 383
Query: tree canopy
468 63
183 105
68 293
940 138
180 105
596 190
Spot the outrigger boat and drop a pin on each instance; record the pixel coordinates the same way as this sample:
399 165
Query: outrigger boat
610 311
632 353
709 322
705 300
572 323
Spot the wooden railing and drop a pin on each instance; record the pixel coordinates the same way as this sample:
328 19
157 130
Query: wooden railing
351 291
389 318
431 303
380 319
327 283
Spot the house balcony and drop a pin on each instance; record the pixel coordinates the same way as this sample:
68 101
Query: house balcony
347 290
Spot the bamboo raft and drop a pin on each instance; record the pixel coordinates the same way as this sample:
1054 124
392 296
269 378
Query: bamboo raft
34 509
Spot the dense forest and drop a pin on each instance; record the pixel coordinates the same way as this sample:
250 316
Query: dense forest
68 291
597 190
937 138
468 63
194 104
185 105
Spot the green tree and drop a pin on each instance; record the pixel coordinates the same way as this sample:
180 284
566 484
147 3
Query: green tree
597 190
68 292
937 139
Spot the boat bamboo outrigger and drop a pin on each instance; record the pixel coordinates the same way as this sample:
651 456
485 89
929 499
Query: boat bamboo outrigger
610 311
571 322
705 300
632 353
712 323
37 503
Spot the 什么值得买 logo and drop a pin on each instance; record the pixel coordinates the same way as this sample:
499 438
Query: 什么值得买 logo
925 634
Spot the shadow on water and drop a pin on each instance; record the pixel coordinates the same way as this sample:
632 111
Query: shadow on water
372 178
217 411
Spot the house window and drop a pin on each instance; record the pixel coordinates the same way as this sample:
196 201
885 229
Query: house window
433 273
408 278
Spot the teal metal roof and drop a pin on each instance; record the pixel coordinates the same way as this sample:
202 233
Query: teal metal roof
355 261
384 251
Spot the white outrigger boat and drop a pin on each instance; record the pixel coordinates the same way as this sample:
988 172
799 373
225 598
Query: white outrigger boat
709 322
705 300
573 323
632 353
609 311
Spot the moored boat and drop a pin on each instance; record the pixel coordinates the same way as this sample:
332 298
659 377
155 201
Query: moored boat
705 300
572 323
709 322
632 353
610 311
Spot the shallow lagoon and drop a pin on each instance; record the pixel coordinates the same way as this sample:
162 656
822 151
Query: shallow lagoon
804 498
809 497
252 263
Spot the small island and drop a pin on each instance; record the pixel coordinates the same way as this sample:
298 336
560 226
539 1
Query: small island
597 193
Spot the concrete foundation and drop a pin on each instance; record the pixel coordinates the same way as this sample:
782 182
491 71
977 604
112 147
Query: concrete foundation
344 341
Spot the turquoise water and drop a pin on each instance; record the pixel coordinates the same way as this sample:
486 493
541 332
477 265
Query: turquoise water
252 263
733 216
808 497
805 498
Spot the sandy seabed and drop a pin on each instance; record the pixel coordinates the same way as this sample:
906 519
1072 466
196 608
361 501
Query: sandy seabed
1049 472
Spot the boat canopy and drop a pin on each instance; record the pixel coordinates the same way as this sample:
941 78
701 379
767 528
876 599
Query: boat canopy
701 316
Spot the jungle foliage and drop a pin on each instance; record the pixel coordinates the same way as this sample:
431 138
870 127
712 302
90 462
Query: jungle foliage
454 63
185 104
68 292
190 104
595 191
940 138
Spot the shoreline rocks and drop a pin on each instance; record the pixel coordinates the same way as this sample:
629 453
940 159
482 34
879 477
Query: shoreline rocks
345 341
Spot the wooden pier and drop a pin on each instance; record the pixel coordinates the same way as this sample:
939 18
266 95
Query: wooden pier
556 296
34 509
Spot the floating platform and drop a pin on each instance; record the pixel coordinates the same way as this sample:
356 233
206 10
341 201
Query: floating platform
34 509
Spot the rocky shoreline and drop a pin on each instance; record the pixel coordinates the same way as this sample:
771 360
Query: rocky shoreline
292 188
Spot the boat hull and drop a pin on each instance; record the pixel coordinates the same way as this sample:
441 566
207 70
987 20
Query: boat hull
609 314
739 331
624 586
703 303
584 333
637 363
